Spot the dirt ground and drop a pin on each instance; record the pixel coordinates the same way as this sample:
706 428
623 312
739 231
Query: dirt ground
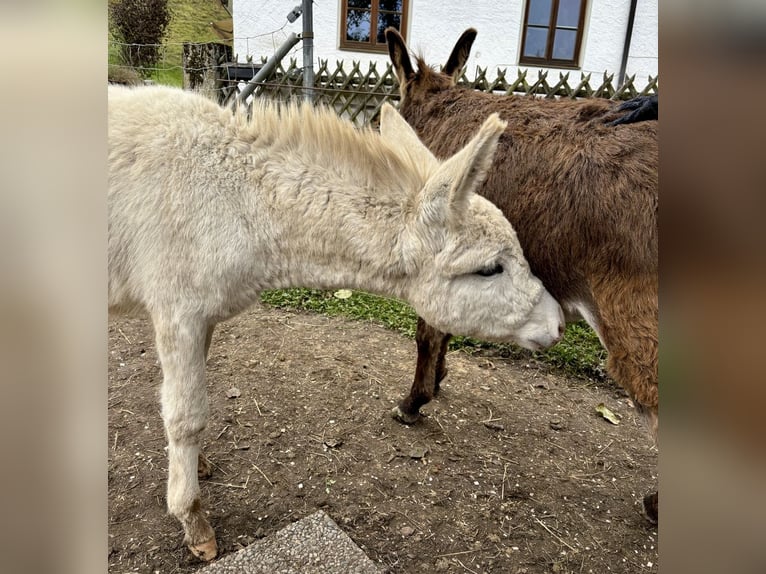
511 471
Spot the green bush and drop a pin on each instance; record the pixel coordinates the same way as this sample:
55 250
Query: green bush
140 26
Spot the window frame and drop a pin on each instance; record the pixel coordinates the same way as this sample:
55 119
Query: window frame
372 45
547 61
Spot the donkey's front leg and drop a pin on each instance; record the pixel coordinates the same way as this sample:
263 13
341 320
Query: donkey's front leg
181 348
429 372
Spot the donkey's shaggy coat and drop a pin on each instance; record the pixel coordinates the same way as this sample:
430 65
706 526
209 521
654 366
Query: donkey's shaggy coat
207 208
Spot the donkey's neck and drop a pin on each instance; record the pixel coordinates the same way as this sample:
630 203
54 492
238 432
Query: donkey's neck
335 198
332 233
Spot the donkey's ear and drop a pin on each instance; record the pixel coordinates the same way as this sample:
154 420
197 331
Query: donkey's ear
400 134
464 172
459 55
397 50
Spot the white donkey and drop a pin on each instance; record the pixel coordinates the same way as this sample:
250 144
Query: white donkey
207 208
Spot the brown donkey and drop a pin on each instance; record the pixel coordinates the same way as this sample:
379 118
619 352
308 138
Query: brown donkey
582 196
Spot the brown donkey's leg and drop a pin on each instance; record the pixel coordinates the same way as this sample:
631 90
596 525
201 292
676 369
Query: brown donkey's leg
652 506
630 331
429 372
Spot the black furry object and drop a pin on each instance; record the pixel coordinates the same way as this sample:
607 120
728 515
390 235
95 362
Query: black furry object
642 109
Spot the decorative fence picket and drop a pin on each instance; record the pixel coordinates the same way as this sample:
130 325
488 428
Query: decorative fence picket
358 94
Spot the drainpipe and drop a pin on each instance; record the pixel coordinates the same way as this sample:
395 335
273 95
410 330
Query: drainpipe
626 48
308 50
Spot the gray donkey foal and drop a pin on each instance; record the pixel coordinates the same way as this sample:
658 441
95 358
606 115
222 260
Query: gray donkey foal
209 207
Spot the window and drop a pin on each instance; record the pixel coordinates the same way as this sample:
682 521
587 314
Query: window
364 21
553 33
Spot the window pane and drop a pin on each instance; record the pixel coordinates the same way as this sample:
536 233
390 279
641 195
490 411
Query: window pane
564 44
386 19
534 46
391 5
360 4
569 13
358 26
539 12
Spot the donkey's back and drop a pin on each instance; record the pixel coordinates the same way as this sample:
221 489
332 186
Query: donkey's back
582 195
176 229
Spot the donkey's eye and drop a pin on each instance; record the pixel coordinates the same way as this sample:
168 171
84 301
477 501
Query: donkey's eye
489 271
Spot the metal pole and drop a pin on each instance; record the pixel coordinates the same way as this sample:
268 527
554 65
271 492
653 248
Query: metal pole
308 51
268 67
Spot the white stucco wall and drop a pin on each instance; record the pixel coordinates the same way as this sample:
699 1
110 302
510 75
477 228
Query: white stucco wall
260 26
644 48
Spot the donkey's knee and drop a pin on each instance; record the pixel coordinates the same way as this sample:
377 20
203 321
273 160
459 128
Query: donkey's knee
184 458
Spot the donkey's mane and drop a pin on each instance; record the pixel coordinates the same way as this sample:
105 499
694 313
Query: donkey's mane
422 65
315 132
424 69
318 132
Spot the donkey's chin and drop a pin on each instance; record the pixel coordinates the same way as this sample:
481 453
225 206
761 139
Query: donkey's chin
545 325
535 344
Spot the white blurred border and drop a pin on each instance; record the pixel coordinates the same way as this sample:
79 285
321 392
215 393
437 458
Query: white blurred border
52 287
53 487
713 287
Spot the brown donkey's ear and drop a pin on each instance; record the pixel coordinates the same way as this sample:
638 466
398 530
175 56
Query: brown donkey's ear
459 55
397 50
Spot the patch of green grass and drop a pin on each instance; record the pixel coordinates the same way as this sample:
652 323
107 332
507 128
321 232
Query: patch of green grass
390 313
578 354
190 22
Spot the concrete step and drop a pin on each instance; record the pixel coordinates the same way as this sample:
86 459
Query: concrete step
312 545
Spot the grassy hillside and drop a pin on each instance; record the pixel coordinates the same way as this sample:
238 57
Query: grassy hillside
190 22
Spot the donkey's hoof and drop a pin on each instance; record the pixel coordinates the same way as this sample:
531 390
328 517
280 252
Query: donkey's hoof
403 417
205 550
651 507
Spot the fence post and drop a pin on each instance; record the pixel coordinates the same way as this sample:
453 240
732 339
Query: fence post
202 67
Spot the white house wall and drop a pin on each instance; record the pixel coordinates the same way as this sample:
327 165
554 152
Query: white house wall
644 48
434 26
